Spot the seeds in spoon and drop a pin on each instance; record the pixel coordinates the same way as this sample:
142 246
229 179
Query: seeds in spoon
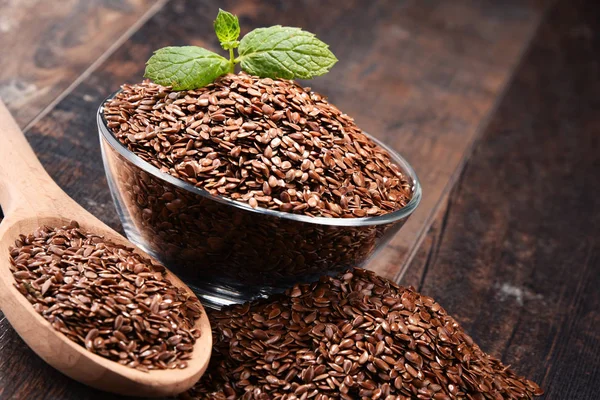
356 336
106 297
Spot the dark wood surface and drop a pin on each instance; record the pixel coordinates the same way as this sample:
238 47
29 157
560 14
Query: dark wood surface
515 254
513 249
47 45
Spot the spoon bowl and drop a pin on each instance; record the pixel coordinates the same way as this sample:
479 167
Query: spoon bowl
30 199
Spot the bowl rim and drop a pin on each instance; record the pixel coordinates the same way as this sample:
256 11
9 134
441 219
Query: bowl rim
106 133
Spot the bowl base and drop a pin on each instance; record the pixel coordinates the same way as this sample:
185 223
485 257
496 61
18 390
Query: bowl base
217 296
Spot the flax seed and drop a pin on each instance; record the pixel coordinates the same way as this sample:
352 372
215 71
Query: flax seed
87 295
178 138
322 364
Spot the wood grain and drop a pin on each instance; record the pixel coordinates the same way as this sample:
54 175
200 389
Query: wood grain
46 45
422 76
515 255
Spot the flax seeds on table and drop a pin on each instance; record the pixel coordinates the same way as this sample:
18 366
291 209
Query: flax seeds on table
106 297
357 336
266 142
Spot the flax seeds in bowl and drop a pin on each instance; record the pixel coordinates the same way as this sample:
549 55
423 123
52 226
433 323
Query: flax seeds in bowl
250 185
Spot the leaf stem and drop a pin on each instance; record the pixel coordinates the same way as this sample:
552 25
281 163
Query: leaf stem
231 61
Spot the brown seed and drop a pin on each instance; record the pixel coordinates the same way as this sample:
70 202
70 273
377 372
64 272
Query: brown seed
364 357
312 358
268 110
99 316
382 365
414 358
46 286
118 322
242 126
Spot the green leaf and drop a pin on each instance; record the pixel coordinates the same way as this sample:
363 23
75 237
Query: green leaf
284 52
227 28
186 67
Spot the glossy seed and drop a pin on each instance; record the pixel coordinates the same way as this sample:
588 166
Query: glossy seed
106 297
327 340
254 129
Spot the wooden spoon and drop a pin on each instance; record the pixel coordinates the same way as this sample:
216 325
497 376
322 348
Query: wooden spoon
30 199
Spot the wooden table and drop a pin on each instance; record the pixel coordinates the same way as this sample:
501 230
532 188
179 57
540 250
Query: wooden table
495 103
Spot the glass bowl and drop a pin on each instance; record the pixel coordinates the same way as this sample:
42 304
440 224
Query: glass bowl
225 250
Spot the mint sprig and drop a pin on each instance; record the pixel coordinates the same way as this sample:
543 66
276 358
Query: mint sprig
274 52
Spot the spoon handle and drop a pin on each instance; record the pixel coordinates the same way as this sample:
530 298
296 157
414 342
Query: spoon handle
24 183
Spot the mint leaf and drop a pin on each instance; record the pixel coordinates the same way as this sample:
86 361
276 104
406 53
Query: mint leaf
284 52
227 28
186 67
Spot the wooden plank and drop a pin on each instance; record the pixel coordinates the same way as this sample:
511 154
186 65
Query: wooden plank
515 255
46 45
437 122
422 76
